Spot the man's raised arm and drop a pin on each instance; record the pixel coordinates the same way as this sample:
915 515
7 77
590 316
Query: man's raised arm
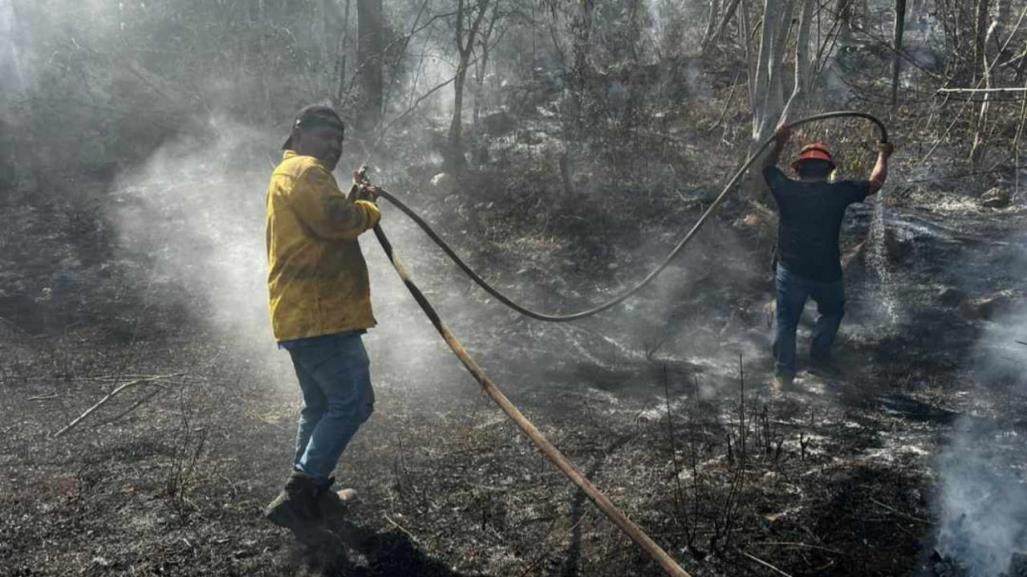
781 137
880 172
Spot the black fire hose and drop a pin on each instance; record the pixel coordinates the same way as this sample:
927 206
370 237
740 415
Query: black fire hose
655 272
655 552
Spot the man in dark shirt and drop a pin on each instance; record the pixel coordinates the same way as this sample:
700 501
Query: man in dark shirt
811 210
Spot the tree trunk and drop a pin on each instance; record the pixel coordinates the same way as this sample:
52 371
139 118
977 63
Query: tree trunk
900 28
455 155
732 7
711 22
331 30
581 75
745 31
369 62
768 89
1004 13
465 40
341 56
977 149
803 64
768 106
980 34
481 68
843 12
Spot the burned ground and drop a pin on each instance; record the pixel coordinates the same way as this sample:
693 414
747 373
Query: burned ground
664 404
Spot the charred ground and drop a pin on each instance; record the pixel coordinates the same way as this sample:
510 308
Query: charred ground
835 480
663 402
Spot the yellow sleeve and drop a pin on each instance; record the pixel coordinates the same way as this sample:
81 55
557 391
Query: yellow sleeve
321 206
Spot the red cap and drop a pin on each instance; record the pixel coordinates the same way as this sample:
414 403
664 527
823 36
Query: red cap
815 151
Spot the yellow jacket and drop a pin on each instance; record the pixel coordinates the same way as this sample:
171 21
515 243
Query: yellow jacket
317 278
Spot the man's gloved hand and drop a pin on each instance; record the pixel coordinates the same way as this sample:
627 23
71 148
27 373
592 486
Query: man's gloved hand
365 192
885 149
783 134
362 188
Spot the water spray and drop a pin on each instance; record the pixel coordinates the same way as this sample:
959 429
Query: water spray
655 552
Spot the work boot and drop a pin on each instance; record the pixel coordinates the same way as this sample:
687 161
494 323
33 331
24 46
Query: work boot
297 505
335 504
783 381
822 365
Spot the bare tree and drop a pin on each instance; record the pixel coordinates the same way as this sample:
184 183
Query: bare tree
900 28
481 64
711 22
768 87
982 116
581 76
980 36
470 15
369 60
725 19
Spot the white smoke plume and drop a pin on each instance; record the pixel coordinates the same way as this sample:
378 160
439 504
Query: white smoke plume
194 213
983 500
982 496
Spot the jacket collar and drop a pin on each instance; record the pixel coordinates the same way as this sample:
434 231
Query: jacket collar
287 154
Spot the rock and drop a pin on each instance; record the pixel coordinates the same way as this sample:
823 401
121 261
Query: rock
443 181
990 306
1018 565
995 198
498 123
950 296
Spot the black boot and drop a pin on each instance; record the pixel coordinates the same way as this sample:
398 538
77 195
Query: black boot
297 505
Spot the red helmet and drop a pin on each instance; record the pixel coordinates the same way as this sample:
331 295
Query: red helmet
815 151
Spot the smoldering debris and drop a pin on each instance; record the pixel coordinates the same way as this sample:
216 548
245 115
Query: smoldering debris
982 502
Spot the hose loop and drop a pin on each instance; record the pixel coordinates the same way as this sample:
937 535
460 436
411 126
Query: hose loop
474 276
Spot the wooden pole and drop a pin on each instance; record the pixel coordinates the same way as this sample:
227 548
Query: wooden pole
548 449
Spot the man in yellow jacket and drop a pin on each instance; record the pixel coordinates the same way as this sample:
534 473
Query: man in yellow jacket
320 303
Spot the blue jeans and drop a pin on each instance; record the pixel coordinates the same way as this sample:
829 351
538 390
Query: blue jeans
335 380
792 292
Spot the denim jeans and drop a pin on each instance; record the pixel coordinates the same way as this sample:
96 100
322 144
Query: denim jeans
335 380
792 292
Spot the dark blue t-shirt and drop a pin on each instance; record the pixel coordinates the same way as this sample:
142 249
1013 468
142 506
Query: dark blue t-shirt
810 220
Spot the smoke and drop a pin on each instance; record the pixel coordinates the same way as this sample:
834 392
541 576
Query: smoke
194 215
982 498
12 77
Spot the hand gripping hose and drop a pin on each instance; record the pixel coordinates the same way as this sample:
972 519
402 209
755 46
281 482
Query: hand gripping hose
655 272
492 390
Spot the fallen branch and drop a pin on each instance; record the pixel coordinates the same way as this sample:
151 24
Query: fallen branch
110 396
800 545
403 530
899 513
44 397
981 90
134 406
764 563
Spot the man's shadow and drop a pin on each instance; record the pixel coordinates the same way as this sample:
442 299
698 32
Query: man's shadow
332 553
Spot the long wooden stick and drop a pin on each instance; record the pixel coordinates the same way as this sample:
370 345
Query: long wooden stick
548 449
